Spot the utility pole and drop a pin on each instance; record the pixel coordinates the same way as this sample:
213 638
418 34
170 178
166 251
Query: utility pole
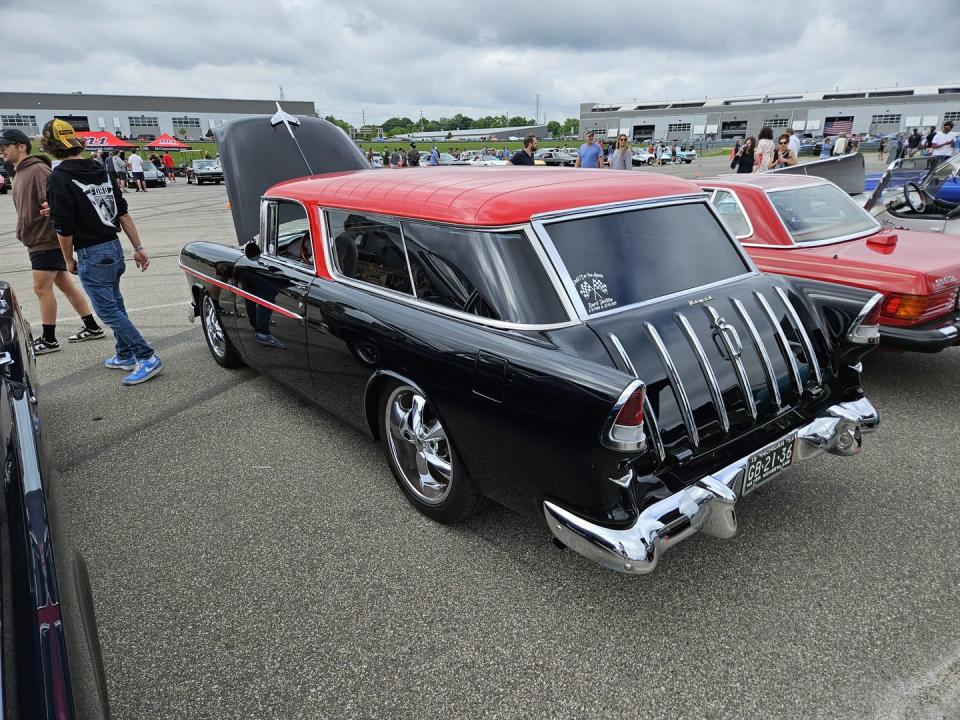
363 117
281 92
536 112
421 121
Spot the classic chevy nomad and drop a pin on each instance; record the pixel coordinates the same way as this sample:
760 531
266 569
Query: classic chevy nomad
594 347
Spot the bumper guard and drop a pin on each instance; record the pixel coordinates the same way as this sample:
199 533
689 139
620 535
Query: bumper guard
708 505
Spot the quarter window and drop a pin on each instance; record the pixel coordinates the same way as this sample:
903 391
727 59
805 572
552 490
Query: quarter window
289 237
369 249
729 210
495 275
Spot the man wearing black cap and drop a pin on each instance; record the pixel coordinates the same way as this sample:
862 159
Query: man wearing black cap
35 231
87 211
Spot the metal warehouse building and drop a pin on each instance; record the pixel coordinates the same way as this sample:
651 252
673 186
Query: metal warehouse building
133 115
875 111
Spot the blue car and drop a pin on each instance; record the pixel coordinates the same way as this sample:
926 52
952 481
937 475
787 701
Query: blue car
916 170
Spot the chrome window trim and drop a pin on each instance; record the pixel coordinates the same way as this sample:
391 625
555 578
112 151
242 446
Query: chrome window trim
411 300
275 226
736 199
540 230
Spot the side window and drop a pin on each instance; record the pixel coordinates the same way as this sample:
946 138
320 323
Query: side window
369 249
729 210
495 275
288 232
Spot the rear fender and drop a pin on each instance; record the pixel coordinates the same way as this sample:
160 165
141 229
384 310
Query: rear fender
835 308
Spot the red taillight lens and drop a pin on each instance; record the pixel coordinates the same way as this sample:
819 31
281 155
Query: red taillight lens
631 414
920 307
626 431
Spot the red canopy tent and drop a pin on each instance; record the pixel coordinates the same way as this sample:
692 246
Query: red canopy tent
166 142
96 140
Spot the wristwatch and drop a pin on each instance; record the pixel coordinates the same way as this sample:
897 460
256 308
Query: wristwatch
137 248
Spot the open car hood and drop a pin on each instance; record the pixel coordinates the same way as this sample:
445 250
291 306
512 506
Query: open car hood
847 172
259 152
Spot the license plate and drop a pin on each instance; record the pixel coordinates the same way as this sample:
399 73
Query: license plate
767 463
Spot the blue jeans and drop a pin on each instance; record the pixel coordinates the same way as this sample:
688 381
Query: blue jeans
100 267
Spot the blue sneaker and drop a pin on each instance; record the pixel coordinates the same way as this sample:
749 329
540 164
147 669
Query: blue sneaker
145 370
118 364
268 340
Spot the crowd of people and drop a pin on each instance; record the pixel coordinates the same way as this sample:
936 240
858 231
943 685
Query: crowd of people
762 153
118 164
942 143
69 218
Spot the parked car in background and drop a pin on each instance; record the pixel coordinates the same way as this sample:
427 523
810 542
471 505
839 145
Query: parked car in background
681 156
152 177
641 156
486 161
807 227
50 665
927 200
629 378
555 158
445 159
205 171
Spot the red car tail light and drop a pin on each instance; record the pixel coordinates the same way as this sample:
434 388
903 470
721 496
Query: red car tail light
625 429
920 307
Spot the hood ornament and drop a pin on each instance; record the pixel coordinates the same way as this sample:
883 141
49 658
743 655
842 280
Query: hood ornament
282 117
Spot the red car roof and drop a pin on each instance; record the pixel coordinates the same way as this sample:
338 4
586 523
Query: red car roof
478 196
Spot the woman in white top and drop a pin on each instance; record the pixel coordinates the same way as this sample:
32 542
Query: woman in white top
622 156
764 152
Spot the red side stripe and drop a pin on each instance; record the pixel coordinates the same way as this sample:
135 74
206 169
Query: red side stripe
242 293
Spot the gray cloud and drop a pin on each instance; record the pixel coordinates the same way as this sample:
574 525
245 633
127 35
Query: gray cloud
478 58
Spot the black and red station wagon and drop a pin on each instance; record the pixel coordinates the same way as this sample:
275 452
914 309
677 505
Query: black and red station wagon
591 346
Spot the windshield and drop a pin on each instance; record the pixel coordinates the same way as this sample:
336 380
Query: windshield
623 258
945 170
205 164
820 212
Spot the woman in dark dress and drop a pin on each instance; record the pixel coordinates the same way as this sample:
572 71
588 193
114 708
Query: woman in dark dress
743 160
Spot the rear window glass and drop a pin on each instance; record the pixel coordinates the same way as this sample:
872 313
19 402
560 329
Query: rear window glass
820 212
495 275
623 258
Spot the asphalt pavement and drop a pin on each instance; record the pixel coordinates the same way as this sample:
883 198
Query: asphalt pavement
252 557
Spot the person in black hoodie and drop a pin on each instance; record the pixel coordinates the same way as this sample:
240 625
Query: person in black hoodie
87 211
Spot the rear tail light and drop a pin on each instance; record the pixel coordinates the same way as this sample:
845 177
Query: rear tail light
865 329
920 307
625 426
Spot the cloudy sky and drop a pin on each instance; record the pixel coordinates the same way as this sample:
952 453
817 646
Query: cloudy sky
388 57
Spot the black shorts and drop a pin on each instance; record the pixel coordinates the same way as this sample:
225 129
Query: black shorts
137 175
51 260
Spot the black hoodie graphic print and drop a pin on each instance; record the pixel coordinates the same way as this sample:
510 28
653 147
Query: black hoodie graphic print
84 203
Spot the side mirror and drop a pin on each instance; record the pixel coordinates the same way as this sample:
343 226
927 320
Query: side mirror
251 250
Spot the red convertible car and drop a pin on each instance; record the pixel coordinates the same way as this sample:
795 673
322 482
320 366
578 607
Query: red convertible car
807 227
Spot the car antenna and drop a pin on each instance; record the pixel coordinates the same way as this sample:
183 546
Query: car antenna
287 119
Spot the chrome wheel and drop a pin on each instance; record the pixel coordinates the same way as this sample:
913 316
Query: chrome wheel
418 445
213 328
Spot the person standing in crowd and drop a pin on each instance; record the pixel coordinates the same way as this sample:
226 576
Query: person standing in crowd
840 145
745 157
434 156
783 156
120 166
413 156
111 167
658 157
928 140
136 169
589 155
86 213
622 156
826 148
395 158
913 143
942 143
168 166
882 148
901 146
524 156
794 142
763 155
36 233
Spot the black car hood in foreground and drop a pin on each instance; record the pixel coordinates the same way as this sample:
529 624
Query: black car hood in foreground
256 154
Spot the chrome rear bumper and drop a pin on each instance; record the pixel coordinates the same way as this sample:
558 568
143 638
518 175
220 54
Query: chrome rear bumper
707 505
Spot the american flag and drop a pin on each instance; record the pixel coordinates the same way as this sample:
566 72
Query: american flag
838 126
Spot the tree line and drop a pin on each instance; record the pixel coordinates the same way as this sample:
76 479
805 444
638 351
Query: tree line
404 125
